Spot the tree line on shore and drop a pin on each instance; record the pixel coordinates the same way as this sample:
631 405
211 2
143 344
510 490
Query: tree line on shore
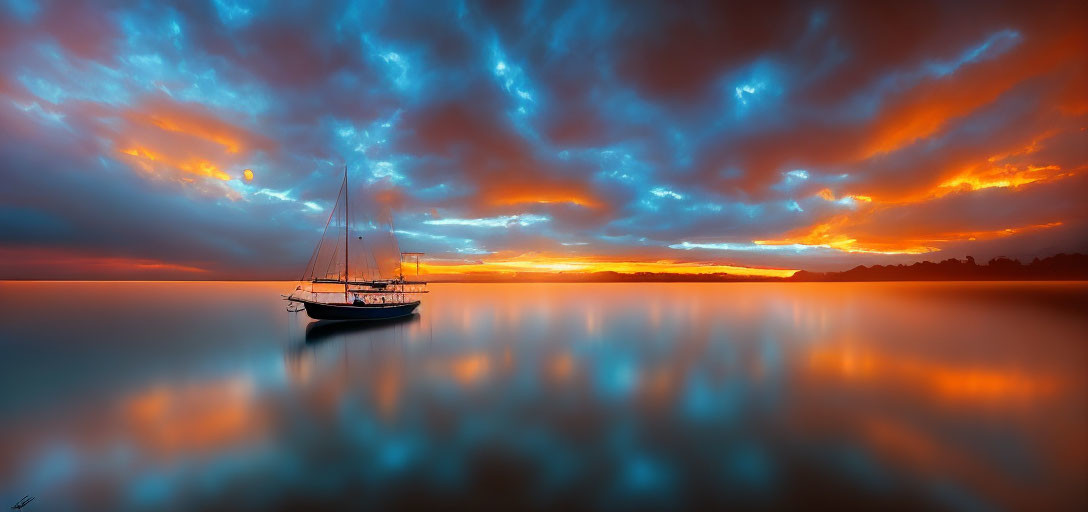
1060 267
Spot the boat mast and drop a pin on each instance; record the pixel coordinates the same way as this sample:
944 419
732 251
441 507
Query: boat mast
347 218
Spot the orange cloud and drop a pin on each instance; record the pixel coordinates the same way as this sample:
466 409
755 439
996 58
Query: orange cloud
543 193
1012 168
32 262
199 130
184 142
1000 176
834 235
839 234
150 161
198 122
882 224
929 107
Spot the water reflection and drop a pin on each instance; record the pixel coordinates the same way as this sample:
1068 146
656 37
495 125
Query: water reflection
955 396
937 380
322 330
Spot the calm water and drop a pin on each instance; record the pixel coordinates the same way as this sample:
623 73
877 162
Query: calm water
187 396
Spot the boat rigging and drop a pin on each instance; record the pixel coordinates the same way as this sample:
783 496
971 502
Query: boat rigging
376 291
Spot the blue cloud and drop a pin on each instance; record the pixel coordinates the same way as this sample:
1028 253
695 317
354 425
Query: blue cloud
594 128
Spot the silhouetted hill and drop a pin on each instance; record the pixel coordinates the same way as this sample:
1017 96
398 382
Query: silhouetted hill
601 277
1058 267
1061 267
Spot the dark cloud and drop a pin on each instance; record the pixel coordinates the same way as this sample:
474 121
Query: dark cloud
845 132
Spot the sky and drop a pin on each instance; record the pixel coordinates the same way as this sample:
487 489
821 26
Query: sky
207 140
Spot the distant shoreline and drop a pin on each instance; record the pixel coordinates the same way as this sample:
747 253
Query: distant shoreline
571 281
1060 267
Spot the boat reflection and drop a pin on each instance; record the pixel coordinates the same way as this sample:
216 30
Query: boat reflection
324 330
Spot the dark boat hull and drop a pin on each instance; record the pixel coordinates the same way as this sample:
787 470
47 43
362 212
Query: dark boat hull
319 311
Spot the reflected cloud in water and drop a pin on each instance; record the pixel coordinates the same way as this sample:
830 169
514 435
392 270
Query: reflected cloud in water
620 396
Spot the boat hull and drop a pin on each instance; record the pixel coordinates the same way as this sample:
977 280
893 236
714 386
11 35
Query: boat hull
319 311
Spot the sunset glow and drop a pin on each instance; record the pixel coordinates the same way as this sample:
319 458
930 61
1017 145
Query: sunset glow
603 138
543 255
938 380
1007 176
833 236
585 265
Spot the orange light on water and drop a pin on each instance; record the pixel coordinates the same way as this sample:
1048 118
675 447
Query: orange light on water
939 380
561 367
469 369
195 418
387 390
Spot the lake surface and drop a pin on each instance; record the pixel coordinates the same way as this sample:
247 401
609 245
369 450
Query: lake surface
188 396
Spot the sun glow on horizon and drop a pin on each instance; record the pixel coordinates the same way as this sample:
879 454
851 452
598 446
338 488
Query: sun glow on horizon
543 264
832 235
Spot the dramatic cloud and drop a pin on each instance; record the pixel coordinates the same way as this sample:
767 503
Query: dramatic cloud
208 140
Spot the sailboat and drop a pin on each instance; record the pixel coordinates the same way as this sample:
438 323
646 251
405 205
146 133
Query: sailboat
370 287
